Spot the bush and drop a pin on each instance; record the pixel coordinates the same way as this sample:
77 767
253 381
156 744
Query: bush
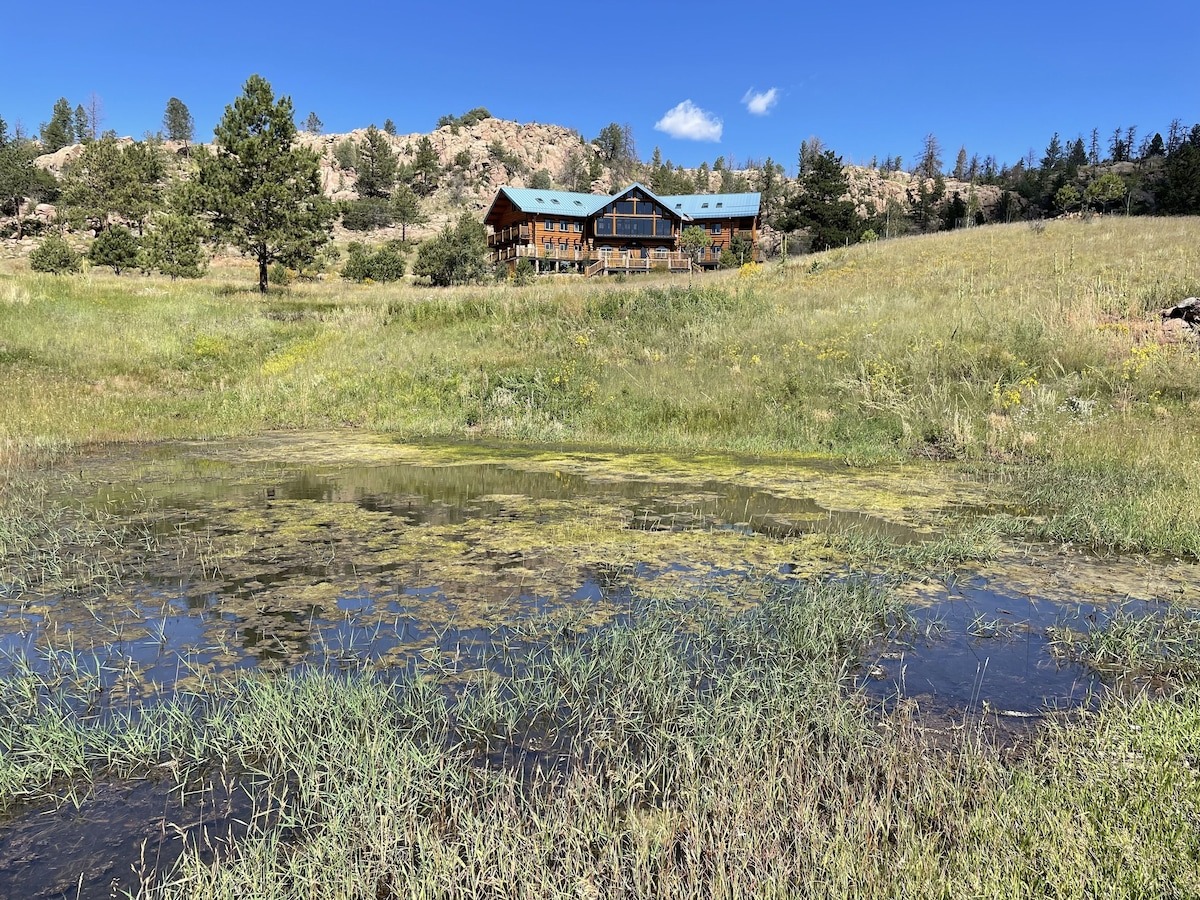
26 227
346 154
524 272
116 247
456 256
54 255
385 264
367 214
279 274
467 119
174 247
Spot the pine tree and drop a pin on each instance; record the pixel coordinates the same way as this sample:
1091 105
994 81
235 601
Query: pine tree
108 179
1181 178
960 164
262 192
376 165
389 127
116 247
425 168
81 124
930 165
178 124
819 208
19 177
58 132
770 187
313 124
175 248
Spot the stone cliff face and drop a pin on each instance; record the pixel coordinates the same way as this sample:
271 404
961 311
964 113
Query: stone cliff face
476 160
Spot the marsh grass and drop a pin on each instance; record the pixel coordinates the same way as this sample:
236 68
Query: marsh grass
50 543
977 540
1134 645
692 751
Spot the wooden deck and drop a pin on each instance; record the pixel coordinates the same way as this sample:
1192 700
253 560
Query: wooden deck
597 262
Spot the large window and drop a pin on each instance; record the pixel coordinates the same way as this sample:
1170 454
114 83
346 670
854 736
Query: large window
631 227
662 228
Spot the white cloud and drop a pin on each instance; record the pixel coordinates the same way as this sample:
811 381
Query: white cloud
761 104
690 122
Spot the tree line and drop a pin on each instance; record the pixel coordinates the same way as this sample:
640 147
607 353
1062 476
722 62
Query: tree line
255 189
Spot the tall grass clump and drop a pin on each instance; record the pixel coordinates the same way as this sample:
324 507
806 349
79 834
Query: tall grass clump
1134 645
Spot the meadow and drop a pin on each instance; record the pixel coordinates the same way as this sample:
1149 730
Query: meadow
692 749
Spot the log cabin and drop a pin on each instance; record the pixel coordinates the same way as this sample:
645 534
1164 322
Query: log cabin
634 230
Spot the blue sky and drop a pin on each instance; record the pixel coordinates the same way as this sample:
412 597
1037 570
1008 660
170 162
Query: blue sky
867 78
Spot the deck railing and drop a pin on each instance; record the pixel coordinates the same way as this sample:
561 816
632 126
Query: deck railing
600 260
508 235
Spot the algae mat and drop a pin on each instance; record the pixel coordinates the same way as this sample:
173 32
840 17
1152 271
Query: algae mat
351 549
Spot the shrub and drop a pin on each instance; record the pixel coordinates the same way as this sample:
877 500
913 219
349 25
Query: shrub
346 154
524 272
54 255
174 247
367 214
116 247
456 256
18 228
279 274
385 264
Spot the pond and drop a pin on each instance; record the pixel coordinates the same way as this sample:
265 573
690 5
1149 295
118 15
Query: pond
177 564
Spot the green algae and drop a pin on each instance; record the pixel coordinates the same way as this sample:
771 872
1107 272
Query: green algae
357 549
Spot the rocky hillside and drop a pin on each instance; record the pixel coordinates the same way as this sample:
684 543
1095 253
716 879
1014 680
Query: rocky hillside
478 159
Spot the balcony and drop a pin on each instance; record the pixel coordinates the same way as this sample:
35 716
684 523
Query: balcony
508 235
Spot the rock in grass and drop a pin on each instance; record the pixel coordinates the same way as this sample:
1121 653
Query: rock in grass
1188 310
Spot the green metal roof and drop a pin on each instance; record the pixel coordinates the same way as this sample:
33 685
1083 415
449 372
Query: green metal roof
713 206
571 204
558 203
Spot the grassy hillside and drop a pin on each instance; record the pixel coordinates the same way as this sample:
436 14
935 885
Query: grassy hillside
1037 356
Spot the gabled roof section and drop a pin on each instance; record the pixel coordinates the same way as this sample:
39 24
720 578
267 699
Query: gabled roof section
567 204
662 201
713 206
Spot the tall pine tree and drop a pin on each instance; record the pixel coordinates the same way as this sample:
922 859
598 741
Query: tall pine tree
60 130
178 124
262 192
819 207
